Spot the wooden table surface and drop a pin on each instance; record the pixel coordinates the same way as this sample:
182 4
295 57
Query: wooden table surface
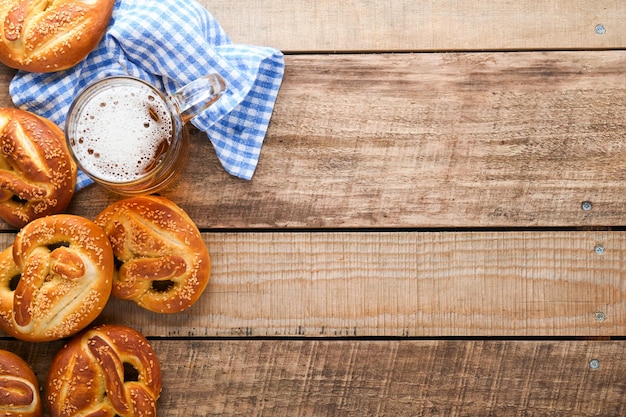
415 240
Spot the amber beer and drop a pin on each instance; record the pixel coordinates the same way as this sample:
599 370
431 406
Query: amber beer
129 137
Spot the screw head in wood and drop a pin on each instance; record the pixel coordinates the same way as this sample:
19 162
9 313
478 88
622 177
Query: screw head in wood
586 205
600 29
599 249
594 364
600 316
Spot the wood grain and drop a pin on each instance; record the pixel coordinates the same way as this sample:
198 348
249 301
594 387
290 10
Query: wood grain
425 140
425 25
402 284
6 74
381 378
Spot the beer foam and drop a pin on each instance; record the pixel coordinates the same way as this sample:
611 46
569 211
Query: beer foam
121 132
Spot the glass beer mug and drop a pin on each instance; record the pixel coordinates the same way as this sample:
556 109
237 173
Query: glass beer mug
129 137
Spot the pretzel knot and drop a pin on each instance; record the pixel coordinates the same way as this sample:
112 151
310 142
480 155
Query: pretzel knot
55 279
37 173
164 264
105 371
47 36
19 388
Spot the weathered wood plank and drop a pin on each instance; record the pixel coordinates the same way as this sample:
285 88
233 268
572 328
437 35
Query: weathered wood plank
406 378
403 284
426 140
398 284
370 25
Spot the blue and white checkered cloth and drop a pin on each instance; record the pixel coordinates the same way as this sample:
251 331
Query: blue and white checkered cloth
169 43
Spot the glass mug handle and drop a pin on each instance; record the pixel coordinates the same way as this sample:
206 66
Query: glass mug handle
198 95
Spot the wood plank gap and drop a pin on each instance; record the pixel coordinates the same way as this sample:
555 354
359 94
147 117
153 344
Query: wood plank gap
443 51
383 339
512 229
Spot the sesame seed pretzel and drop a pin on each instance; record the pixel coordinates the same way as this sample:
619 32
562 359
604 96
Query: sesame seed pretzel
19 388
37 172
50 35
55 279
164 264
104 371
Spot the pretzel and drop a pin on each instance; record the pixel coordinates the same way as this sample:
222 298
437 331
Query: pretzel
164 264
55 279
105 371
50 35
19 389
37 172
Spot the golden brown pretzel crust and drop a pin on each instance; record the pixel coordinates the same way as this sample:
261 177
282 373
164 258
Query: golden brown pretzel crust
50 35
65 267
105 371
19 389
165 265
37 172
